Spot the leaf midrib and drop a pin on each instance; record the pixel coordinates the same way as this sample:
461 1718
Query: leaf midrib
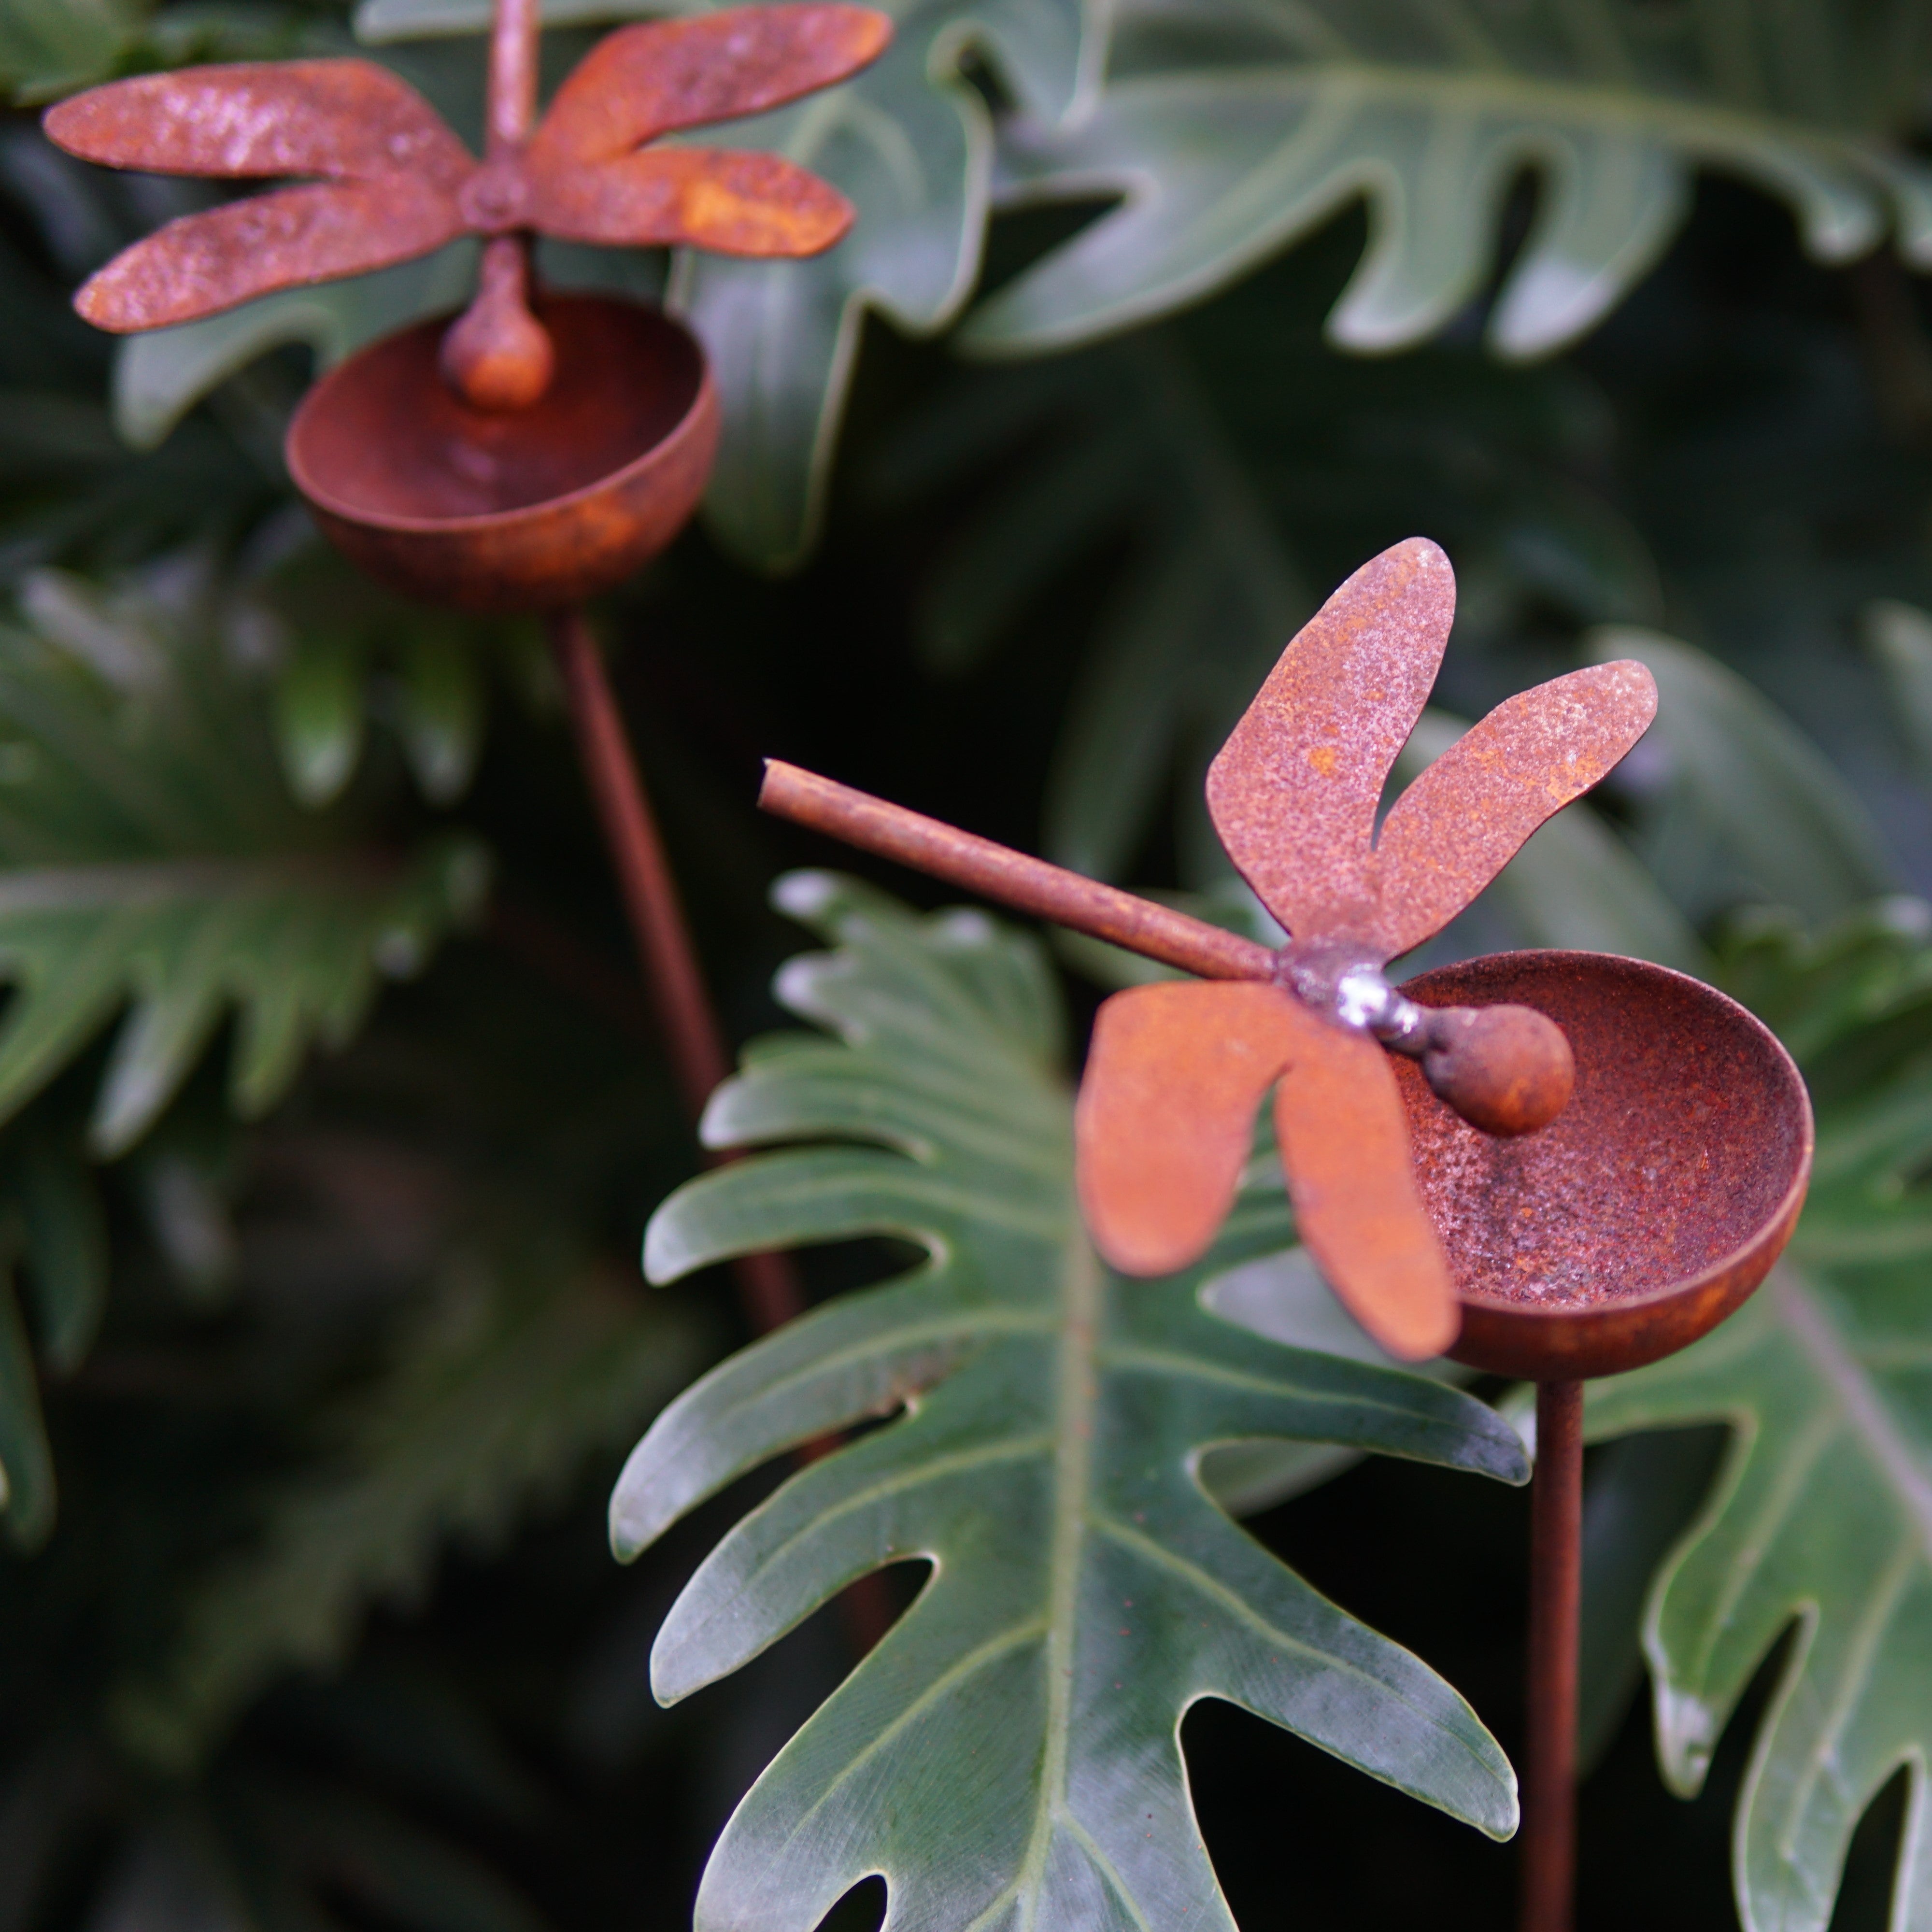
1075 1394
1685 122
113 885
1848 1382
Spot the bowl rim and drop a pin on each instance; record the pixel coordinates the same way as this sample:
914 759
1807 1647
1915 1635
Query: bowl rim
1783 1217
704 399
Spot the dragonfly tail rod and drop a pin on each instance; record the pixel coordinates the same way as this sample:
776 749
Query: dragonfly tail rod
996 872
1505 1069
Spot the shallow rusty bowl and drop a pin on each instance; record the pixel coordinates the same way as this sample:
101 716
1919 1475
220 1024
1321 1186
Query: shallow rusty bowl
1651 1207
516 510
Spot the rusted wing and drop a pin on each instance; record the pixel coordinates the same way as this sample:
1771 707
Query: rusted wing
1166 1113
204 263
644 81
1293 792
1165 1121
732 202
1466 817
1344 1139
264 120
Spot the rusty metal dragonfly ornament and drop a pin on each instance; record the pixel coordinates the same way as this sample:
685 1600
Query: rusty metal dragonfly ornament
1176 1071
537 450
384 180
1633 1148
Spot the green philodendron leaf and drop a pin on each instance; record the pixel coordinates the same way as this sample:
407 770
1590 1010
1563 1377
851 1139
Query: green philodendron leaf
1899 637
1746 808
1197 619
53 1243
1009 1753
319 715
440 704
1823 1515
909 143
48 48
1233 128
1819 1523
151 859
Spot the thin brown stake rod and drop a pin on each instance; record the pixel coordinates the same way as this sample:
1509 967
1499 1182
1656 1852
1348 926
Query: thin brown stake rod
997 872
691 1033
1556 1594
768 1286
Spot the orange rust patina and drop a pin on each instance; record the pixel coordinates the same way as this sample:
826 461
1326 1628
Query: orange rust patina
533 451
384 180
1615 1254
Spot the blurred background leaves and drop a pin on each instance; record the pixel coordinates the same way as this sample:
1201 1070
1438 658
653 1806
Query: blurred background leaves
315 1362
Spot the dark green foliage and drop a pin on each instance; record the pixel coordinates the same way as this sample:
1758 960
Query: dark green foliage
322 1313
1009 1753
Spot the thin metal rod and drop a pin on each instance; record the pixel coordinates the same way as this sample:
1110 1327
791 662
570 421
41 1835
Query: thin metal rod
997 872
1555 1592
699 1059
514 32
768 1286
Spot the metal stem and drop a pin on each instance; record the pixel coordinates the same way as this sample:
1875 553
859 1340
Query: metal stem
997 872
766 1283
1556 1590
514 32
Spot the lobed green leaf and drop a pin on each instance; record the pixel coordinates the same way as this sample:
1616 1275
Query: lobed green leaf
1009 1752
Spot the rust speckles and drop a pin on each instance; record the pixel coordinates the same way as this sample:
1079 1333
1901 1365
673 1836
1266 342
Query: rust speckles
401 183
1632 1220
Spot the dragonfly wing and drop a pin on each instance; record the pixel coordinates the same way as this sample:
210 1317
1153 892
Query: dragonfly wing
264 120
1166 1114
1466 817
731 202
204 263
1345 1146
660 76
1293 792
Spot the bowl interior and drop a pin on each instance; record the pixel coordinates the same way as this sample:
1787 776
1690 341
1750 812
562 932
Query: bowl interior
384 439
1687 1131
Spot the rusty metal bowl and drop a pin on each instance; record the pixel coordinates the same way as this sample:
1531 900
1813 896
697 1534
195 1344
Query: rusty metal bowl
522 509
1651 1207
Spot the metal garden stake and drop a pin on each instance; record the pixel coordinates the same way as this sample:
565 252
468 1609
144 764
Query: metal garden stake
536 451
1551 1165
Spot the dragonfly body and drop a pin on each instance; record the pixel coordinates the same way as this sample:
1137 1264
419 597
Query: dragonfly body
1177 1071
382 178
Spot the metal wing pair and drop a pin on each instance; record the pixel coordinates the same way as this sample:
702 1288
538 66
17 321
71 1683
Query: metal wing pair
390 181
1177 1071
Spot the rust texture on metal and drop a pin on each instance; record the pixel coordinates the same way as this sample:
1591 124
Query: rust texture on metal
1548 1876
527 509
1165 1123
1582 1234
391 182
1651 1207
1508 1070
1469 813
496 355
699 1056
1295 791
516 31
1029 885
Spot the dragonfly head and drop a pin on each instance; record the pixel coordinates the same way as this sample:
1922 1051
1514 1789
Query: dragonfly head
1507 1069
497 355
